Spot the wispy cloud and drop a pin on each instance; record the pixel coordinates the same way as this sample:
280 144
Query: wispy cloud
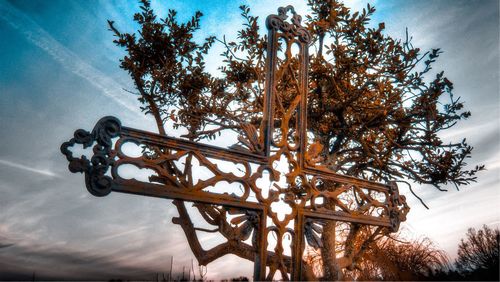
128 232
30 169
68 59
493 223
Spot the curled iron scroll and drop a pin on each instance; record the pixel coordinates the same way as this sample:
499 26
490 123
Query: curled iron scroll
398 208
279 23
107 128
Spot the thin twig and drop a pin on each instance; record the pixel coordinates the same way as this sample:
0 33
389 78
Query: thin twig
411 190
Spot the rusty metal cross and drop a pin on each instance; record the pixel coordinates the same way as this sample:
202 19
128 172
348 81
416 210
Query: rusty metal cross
313 193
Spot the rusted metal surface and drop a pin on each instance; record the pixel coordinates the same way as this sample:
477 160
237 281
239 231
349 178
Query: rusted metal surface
251 213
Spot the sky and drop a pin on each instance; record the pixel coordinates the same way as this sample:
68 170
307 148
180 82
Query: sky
59 71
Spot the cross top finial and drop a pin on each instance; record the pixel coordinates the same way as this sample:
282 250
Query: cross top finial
278 22
282 12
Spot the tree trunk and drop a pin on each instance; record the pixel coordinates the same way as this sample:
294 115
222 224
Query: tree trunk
332 271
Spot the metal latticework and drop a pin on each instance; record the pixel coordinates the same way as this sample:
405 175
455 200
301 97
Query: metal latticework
312 193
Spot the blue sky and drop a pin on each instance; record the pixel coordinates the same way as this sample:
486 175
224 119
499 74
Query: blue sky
59 72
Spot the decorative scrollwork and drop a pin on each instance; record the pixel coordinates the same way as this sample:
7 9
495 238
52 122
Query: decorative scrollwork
398 208
302 193
245 223
312 232
289 30
107 128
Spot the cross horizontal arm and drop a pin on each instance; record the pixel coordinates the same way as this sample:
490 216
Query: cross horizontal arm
108 136
149 138
107 139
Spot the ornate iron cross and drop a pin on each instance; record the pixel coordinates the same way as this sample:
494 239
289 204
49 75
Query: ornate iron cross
313 193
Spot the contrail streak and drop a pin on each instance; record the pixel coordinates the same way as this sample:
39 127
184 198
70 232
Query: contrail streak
30 169
115 235
41 38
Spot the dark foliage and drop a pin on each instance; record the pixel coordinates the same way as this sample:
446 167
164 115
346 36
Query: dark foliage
478 254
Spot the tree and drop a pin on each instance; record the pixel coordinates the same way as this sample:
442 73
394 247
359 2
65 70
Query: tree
478 254
372 106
